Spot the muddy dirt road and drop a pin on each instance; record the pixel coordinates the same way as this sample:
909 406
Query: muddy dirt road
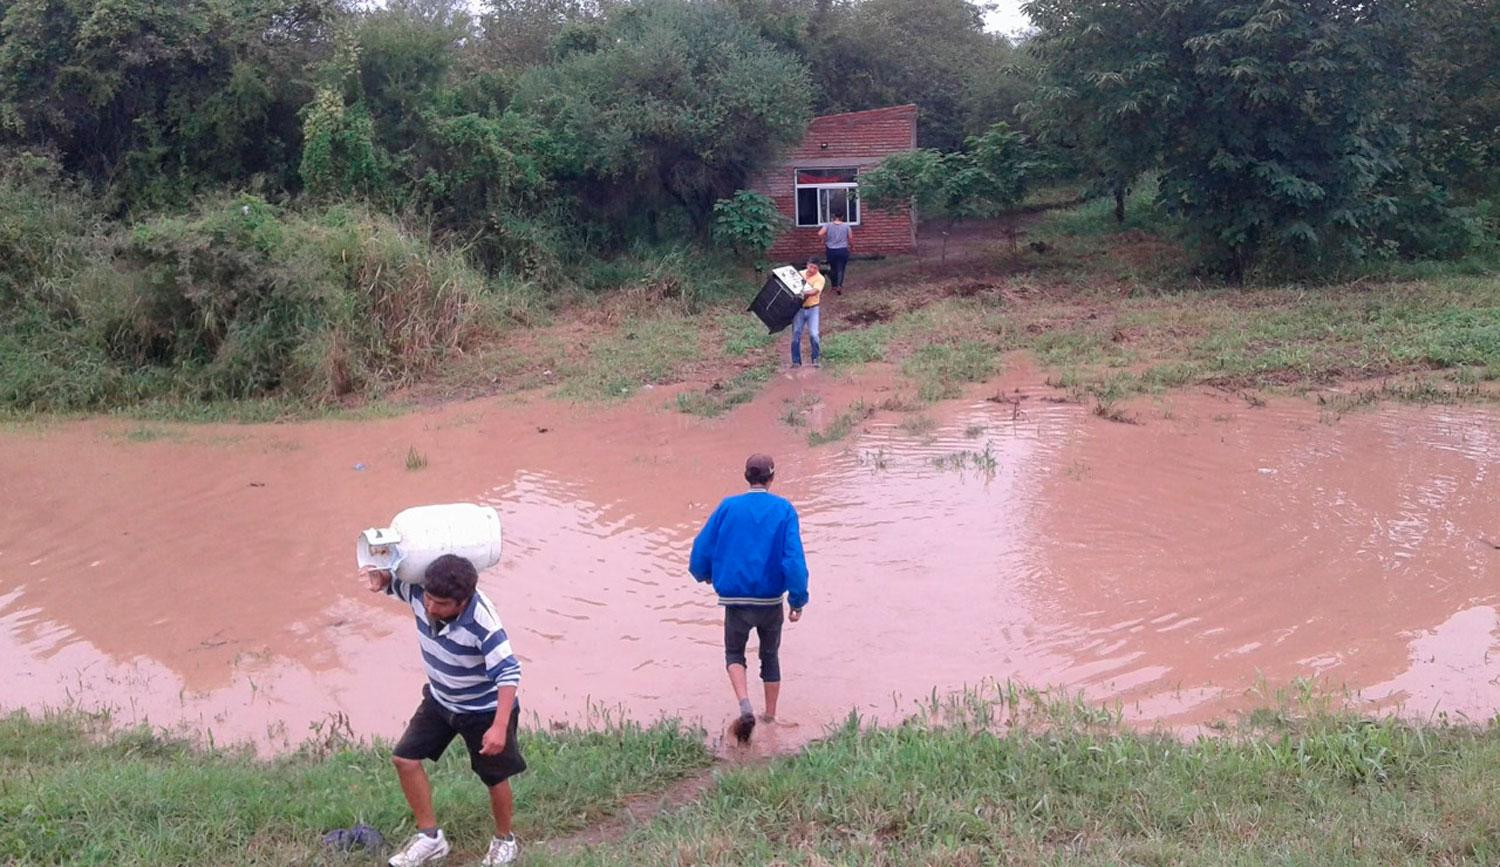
204 577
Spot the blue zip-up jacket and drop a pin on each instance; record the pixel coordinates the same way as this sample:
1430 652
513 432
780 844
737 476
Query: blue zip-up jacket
751 549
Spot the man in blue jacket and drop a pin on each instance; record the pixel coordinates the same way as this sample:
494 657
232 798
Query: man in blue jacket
751 549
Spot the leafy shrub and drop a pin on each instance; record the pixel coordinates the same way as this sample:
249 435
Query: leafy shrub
748 223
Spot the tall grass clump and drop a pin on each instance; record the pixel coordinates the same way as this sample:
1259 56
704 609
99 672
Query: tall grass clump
44 223
242 299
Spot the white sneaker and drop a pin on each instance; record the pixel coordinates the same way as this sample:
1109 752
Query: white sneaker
421 849
501 851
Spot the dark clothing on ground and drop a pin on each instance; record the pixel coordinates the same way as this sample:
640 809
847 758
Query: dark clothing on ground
766 620
433 726
838 260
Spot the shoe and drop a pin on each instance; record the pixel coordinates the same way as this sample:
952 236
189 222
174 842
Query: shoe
421 849
742 727
501 851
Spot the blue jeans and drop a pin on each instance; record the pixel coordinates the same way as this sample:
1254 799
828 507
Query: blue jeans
807 318
838 260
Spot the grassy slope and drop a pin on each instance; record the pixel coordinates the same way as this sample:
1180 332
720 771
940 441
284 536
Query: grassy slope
1018 779
1004 776
1107 310
73 793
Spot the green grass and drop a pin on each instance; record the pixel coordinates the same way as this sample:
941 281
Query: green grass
72 792
742 334
1007 776
149 434
643 351
1097 216
996 774
942 369
723 397
856 346
842 425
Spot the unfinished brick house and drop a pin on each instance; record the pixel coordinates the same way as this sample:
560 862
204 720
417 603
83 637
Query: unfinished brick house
820 178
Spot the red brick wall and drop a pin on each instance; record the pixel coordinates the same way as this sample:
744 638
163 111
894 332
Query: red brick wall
860 139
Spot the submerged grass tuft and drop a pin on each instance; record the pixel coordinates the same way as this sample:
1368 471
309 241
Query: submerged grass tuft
842 424
415 460
722 397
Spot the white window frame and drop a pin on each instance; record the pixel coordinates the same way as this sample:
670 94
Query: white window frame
851 190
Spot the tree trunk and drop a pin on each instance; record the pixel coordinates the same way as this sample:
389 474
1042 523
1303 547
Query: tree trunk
1119 204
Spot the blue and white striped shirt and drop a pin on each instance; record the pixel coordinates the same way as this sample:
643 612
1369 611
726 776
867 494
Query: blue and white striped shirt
469 658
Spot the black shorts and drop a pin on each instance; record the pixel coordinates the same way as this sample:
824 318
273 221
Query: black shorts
433 726
766 620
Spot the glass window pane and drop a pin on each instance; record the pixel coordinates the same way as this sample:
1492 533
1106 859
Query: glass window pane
853 206
807 207
835 204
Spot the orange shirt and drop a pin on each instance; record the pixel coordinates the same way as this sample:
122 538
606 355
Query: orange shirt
815 290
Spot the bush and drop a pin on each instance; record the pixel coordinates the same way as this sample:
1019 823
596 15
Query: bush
241 299
748 224
42 224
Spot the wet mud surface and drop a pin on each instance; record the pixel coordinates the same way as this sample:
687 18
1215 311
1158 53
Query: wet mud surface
204 578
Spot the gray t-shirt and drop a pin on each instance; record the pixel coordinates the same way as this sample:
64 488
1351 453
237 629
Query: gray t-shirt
838 236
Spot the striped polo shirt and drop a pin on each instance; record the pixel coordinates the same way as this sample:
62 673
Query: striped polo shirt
469 658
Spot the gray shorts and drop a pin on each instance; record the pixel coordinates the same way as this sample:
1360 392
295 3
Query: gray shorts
766 620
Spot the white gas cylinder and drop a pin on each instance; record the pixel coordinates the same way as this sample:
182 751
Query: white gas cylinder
421 534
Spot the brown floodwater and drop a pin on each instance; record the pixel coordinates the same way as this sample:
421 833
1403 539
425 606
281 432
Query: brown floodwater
204 577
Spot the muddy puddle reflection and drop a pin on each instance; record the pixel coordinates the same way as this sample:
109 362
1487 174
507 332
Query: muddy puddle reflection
202 577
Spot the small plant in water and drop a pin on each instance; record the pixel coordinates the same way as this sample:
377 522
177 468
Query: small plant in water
876 460
415 460
984 461
841 426
975 431
918 425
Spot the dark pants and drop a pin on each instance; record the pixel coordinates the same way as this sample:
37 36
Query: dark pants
838 260
433 727
766 621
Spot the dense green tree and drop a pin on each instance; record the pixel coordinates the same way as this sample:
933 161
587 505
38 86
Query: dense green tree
520 34
1277 123
155 100
934 53
1455 105
985 179
1112 99
1288 131
668 111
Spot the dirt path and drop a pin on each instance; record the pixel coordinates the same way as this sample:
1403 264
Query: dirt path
638 810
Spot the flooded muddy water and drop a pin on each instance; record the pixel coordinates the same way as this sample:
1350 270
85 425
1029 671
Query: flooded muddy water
203 576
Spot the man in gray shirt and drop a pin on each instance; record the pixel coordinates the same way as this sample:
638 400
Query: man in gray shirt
836 238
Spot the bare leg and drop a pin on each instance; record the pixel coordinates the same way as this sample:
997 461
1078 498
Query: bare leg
773 692
737 680
418 790
503 806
